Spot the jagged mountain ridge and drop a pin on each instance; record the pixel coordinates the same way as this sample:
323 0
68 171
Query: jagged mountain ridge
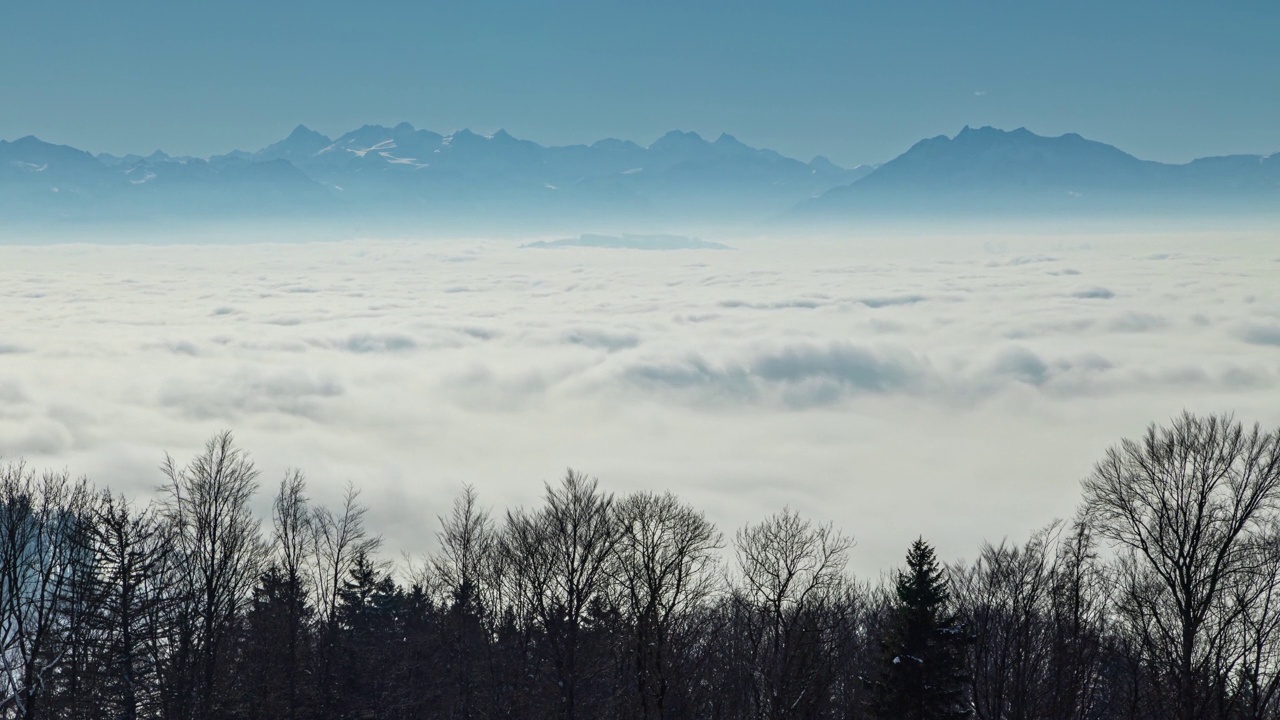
46 183
374 173
377 171
397 164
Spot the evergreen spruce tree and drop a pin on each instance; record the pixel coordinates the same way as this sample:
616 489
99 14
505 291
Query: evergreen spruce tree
922 674
370 613
275 649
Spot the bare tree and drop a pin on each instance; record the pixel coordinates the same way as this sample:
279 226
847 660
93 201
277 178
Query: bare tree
1183 503
468 543
463 577
1257 677
663 566
557 569
1036 614
791 571
1080 618
220 550
340 540
293 542
133 549
43 522
1004 598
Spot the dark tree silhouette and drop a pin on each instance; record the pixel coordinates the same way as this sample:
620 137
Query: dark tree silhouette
1037 615
220 554
466 577
44 523
1183 504
557 561
663 569
370 621
134 555
583 606
923 674
792 573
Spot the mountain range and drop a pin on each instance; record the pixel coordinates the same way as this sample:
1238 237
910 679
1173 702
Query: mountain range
993 172
408 177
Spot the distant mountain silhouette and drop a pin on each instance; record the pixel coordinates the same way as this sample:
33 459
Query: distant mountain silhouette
301 145
993 171
405 175
680 173
41 182
411 178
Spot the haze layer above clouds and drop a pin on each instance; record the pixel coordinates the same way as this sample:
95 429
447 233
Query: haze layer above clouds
957 387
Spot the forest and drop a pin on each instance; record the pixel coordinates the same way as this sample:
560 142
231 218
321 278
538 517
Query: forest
1158 600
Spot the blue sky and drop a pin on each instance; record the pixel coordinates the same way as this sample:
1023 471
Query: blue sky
856 81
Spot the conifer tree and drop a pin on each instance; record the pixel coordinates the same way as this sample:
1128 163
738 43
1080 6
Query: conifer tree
372 633
274 648
922 674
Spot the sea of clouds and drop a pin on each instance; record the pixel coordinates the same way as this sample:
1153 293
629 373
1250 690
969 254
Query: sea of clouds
957 387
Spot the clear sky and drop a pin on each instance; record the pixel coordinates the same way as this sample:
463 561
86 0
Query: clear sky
856 81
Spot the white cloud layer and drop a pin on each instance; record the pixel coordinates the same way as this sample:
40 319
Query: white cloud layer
954 387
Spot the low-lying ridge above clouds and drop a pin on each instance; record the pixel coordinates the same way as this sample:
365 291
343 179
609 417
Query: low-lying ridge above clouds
631 242
409 179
